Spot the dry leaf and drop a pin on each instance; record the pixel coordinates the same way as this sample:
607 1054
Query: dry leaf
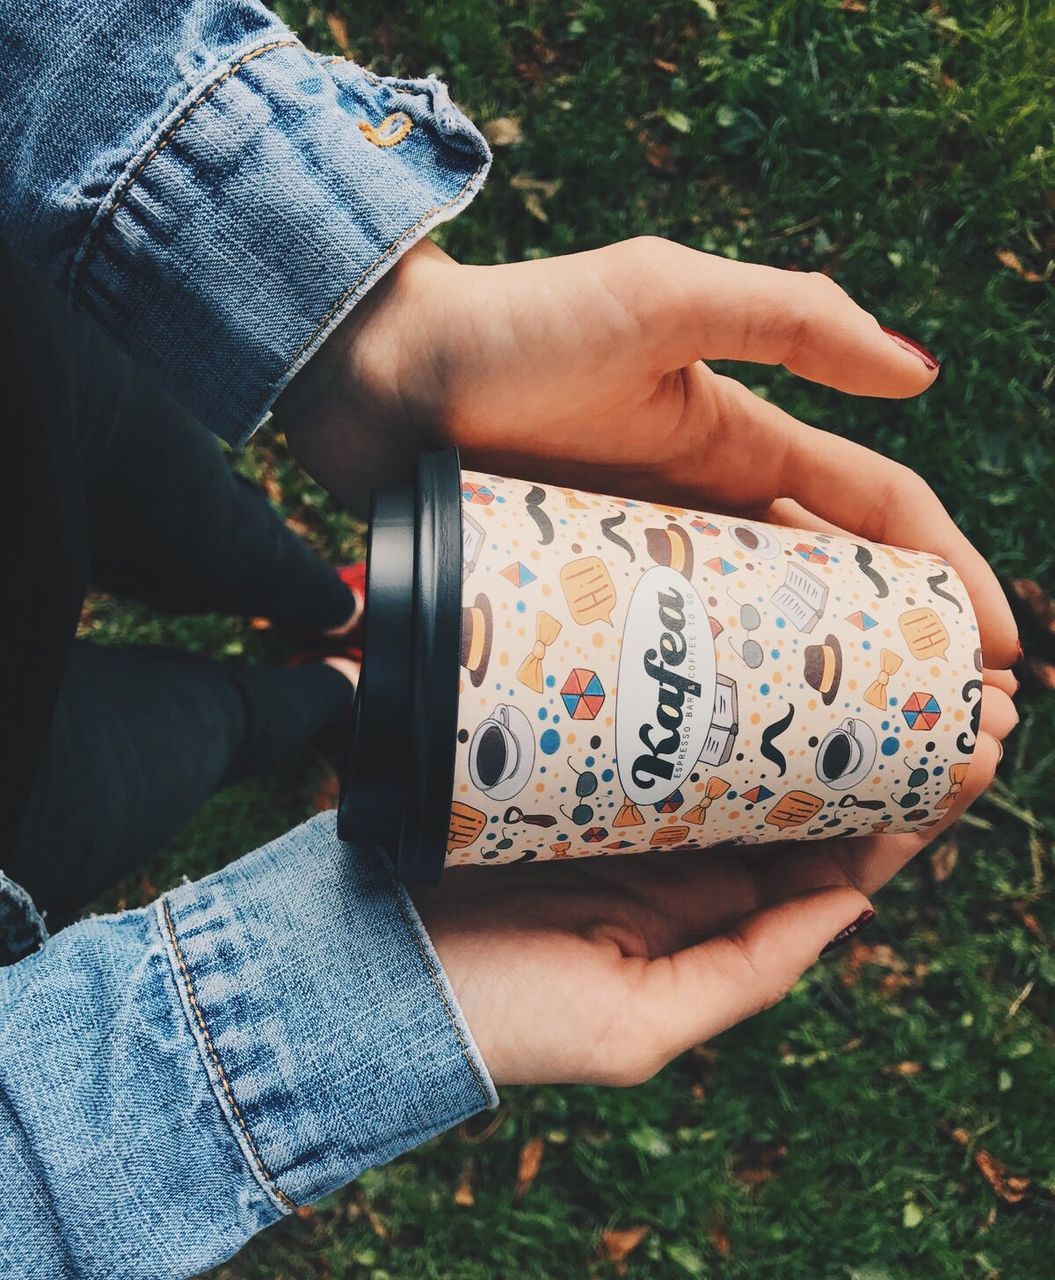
503 131
617 1246
1043 672
904 1069
529 1164
719 1238
853 6
943 860
339 31
1014 263
463 1193
259 624
755 1166
1008 1186
1029 920
1036 600
669 67
368 1211
659 156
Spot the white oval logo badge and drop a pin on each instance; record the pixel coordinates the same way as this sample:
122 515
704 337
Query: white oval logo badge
667 685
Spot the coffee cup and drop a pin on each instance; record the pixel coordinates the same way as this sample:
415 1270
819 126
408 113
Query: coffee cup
551 672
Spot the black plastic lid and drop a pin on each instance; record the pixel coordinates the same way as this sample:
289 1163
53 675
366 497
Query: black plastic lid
400 774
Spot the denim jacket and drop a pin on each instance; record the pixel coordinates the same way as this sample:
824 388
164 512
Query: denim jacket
175 1078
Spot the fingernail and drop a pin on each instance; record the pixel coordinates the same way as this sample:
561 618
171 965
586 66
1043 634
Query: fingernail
852 929
906 344
1000 749
1021 651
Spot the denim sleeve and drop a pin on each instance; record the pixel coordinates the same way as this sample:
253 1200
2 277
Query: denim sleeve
215 195
176 1078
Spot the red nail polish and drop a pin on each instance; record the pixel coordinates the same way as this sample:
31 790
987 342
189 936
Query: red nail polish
906 344
853 928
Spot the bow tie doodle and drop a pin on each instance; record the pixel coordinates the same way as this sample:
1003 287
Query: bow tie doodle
547 629
957 777
889 665
697 815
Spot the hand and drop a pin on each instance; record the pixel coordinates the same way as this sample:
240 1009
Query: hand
603 969
588 370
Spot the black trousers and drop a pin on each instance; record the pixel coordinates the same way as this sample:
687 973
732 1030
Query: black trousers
150 510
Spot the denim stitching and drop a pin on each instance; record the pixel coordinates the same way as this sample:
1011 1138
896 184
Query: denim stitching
166 138
375 133
427 959
188 983
325 321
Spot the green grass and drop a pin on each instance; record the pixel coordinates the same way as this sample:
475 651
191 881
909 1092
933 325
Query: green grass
901 148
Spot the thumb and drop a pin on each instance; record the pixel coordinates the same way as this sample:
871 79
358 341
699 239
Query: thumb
698 992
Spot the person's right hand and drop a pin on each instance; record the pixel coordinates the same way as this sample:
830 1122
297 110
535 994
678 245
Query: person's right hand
601 970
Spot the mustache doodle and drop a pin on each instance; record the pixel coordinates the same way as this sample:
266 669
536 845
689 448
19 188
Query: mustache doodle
770 735
608 526
533 501
864 558
935 584
965 742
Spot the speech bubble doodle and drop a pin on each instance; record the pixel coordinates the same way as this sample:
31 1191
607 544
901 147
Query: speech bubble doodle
589 590
793 809
465 826
924 634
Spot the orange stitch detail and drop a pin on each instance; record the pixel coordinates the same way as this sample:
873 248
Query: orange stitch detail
398 124
167 137
427 959
199 1016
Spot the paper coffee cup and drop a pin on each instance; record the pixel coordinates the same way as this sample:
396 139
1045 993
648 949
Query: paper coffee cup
555 673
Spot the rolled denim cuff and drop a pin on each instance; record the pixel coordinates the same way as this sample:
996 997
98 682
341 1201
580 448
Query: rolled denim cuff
266 204
328 1030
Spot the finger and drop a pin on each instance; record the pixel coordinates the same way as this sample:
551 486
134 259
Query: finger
767 454
790 514
692 306
866 863
1001 679
696 993
998 716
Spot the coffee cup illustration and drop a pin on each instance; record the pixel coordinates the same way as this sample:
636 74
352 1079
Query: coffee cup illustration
502 753
846 755
556 673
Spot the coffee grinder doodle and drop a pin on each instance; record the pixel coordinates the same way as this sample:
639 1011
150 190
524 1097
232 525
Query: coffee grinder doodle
502 753
588 590
547 629
846 755
889 665
477 637
473 538
672 548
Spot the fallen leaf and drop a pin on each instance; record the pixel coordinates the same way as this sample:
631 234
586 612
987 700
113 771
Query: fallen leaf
757 1165
339 31
1043 672
1030 922
719 1238
904 1069
853 6
304 1212
618 1245
1014 263
669 67
943 860
660 156
1010 1187
463 1193
1036 600
503 131
528 1166
259 624
368 1211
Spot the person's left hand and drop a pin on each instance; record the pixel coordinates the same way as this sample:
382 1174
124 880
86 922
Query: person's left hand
590 370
